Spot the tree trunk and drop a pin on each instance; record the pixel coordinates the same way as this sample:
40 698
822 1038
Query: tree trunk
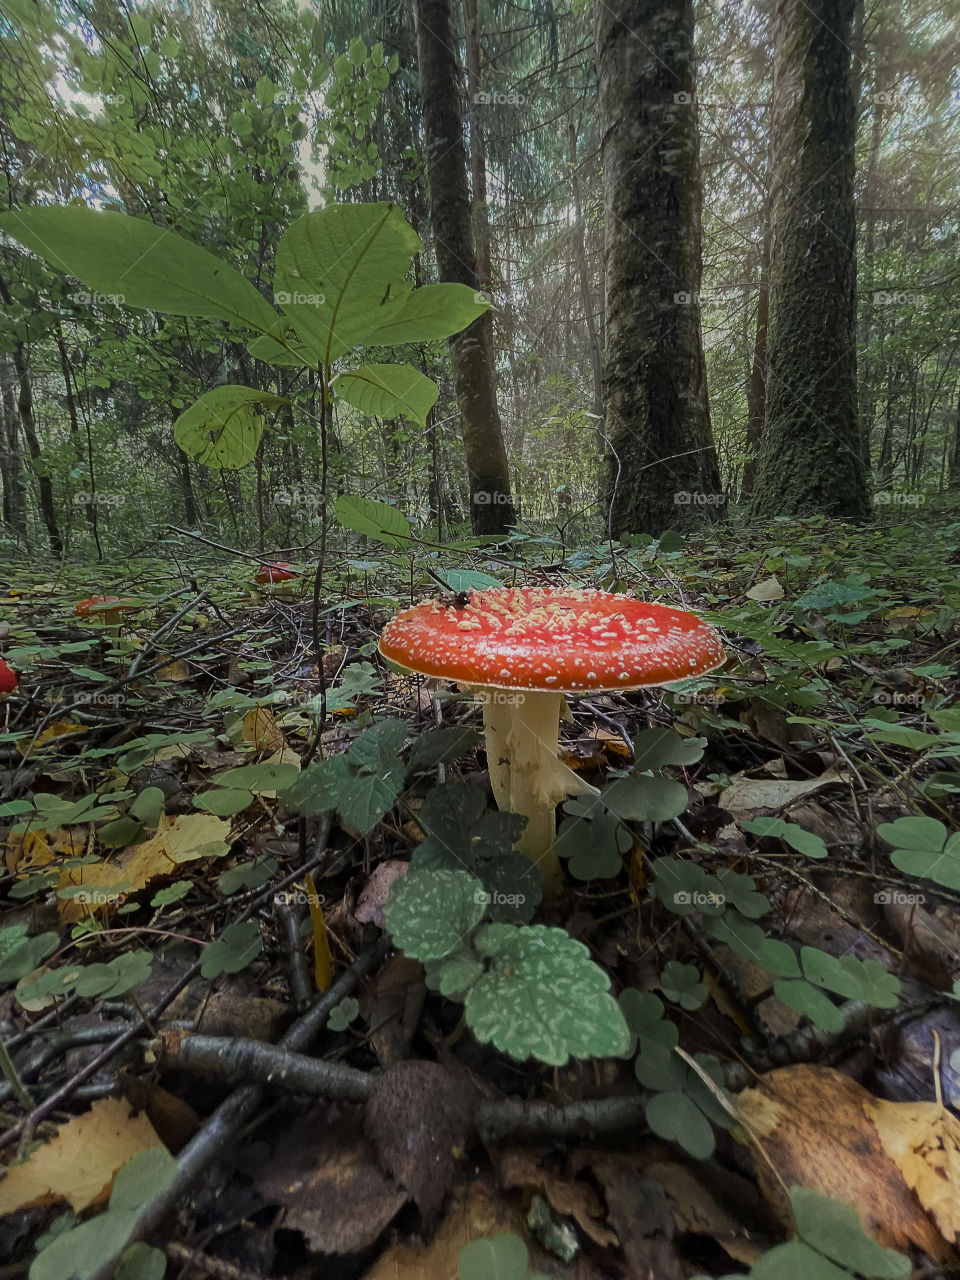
48 510
757 387
954 473
478 154
471 351
583 272
13 503
811 459
662 469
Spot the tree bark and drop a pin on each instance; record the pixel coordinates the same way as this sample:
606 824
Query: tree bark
13 503
812 459
48 510
583 272
471 351
661 471
757 387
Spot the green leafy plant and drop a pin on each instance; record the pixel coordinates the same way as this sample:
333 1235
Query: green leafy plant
529 990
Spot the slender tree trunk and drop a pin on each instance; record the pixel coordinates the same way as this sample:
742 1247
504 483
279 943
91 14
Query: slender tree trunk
12 473
812 459
954 473
471 352
757 388
48 509
190 512
662 469
478 154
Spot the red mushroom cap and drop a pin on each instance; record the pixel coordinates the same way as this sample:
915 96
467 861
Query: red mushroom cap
557 640
95 604
279 572
8 678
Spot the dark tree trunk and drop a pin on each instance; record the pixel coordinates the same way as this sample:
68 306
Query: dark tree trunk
471 352
954 472
12 473
48 510
661 471
757 387
812 459
190 512
478 154
583 272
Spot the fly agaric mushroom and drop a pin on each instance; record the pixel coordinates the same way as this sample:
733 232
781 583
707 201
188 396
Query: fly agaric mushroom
8 678
279 572
524 648
110 608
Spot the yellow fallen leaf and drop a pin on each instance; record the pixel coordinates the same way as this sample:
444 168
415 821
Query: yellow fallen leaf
260 727
322 959
79 1164
177 840
923 1140
175 671
57 729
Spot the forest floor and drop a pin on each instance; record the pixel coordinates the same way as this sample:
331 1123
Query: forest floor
166 920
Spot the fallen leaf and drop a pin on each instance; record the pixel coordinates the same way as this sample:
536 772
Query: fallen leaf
174 672
769 589
746 795
260 727
79 1164
372 900
56 729
923 1140
327 1175
814 1127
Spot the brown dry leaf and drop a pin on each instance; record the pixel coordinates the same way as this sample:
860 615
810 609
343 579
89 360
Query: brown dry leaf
697 1211
814 1129
567 1195
177 840
79 1164
174 672
638 1210
327 1175
923 1140
481 1212
260 727
745 796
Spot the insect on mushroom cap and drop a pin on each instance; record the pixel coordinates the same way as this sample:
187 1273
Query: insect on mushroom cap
553 639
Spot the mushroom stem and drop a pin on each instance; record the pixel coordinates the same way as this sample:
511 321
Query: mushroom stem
522 730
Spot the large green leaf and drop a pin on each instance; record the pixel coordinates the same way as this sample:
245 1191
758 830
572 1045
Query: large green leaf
833 1227
223 427
429 913
543 996
340 274
388 390
923 848
375 519
435 311
138 264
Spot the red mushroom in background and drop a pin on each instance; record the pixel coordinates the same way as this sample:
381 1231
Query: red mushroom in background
8 678
110 608
281 571
524 648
